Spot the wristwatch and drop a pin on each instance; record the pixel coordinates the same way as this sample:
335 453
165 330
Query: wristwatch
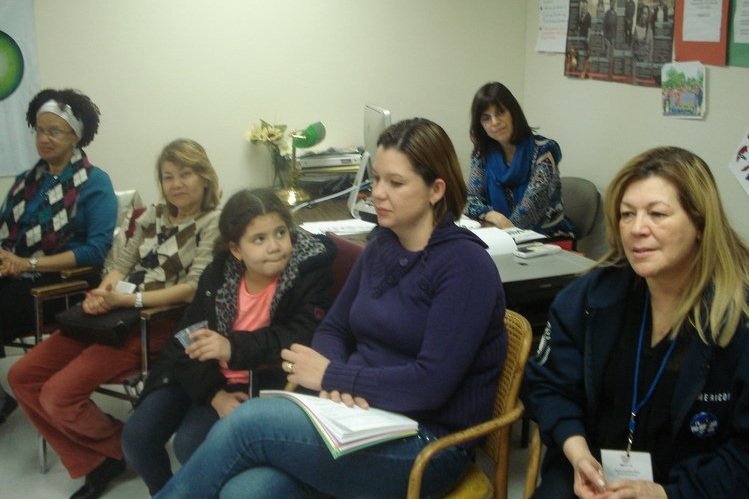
138 300
33 261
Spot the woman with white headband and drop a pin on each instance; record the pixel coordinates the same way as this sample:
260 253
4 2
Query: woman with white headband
59 214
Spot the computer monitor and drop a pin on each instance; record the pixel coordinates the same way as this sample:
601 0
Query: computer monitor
376 119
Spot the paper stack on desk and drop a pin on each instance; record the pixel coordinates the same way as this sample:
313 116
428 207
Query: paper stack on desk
523 235
340 227
498 240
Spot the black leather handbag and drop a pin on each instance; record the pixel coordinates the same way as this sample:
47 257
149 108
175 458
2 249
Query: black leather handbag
108 329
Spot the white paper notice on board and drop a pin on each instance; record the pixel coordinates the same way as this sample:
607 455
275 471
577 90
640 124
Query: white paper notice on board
739 164
552 25
741 22
702 20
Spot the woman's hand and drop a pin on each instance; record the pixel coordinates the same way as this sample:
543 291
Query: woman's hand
635 489
207 345
346 398
497 219
100 300
224 402
105 298
304 366
589 480
11 265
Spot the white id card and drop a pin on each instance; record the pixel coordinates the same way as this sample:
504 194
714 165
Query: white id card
125 287
618 466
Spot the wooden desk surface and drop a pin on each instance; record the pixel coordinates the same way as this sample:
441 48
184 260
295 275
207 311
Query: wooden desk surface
335 209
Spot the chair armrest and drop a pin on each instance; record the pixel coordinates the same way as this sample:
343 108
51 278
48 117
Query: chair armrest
428 452
59 289
534 461
77 272
165 312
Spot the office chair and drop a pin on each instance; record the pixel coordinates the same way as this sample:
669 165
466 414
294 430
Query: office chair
583 206
348 253
507 409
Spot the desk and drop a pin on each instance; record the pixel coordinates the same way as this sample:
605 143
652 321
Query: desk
335 209
530 284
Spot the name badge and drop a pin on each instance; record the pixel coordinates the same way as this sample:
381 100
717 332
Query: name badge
618 466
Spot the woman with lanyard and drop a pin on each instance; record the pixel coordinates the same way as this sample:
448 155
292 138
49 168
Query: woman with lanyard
514 179
641 382
57 215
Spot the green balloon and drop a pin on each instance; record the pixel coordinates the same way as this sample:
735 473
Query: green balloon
11 65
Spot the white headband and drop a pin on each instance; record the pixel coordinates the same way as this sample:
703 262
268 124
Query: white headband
65 112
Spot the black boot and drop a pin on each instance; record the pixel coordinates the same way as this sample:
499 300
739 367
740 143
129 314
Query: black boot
97 481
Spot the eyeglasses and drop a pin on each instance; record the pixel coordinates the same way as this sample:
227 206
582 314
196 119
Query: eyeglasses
52 133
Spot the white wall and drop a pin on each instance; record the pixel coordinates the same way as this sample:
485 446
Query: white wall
601 125
208 69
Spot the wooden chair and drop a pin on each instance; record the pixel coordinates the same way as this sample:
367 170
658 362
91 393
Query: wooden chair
507 409
535 448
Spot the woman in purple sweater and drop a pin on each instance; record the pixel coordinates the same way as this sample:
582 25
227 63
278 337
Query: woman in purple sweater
417 329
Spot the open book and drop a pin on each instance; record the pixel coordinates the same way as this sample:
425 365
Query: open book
348 429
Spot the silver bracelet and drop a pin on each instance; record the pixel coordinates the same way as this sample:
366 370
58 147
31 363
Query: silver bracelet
138 300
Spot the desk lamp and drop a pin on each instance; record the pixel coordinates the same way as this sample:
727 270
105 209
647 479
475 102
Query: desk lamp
309 137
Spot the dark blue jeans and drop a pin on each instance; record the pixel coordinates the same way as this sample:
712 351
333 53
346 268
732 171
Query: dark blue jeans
269 448
160 414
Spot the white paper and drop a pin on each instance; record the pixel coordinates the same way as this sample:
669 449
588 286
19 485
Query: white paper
702 20
618 466
552 25
741 22
125 287
340 227
467 223
499 241
523 235
739 164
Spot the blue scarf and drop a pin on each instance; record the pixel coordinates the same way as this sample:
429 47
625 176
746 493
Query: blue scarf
501 176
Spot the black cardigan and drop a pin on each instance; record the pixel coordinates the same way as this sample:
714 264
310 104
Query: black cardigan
297 315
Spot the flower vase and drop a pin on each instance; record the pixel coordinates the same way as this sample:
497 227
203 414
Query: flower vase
282 174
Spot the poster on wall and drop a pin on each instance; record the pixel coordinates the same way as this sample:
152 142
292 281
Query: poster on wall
624 41
683 87
18 84
739 164
738 37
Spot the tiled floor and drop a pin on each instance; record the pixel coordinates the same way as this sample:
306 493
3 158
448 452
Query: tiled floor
19 463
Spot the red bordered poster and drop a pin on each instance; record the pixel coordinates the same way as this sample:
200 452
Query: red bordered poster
706 52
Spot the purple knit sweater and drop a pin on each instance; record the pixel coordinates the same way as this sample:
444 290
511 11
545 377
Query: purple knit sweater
419 333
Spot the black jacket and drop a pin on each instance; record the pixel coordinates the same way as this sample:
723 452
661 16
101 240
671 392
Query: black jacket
564 383
302 301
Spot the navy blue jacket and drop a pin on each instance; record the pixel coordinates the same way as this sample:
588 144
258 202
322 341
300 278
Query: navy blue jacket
563 386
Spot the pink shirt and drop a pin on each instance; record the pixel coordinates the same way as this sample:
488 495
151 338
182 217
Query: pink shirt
253 312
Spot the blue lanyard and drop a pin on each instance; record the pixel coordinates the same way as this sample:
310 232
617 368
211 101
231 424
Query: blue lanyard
636 406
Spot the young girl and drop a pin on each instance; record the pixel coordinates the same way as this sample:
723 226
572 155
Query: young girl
267 287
